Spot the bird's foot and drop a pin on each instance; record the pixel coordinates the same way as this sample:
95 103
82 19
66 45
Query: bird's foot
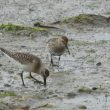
24 86
39 82
52 64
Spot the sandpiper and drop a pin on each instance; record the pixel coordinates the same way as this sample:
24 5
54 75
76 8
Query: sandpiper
57 47
30 63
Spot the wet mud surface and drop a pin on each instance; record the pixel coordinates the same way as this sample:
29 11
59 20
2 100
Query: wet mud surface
81 81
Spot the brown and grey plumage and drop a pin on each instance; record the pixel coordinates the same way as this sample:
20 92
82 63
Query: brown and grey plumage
57 47
31 64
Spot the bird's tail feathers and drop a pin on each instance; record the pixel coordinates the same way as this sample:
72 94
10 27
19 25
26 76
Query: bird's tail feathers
5 51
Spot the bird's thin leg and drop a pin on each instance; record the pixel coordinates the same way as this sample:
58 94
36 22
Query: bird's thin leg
51 62
22 78
58 61
40 82
68 50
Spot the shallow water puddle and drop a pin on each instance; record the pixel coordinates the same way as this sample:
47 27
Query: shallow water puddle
90 101
102 36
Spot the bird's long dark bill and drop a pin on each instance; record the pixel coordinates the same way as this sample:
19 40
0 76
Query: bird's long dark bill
68 50
44 81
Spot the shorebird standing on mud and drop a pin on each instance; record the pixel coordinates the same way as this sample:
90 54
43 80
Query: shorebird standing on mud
30 63
57 47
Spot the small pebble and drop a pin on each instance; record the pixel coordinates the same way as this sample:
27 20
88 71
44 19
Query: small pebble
71 95
94 88
7 85
10 72
23 46
99 64
82 107
93 72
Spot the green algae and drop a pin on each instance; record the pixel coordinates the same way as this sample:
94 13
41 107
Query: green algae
85 90
7 93
84 19
14 28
